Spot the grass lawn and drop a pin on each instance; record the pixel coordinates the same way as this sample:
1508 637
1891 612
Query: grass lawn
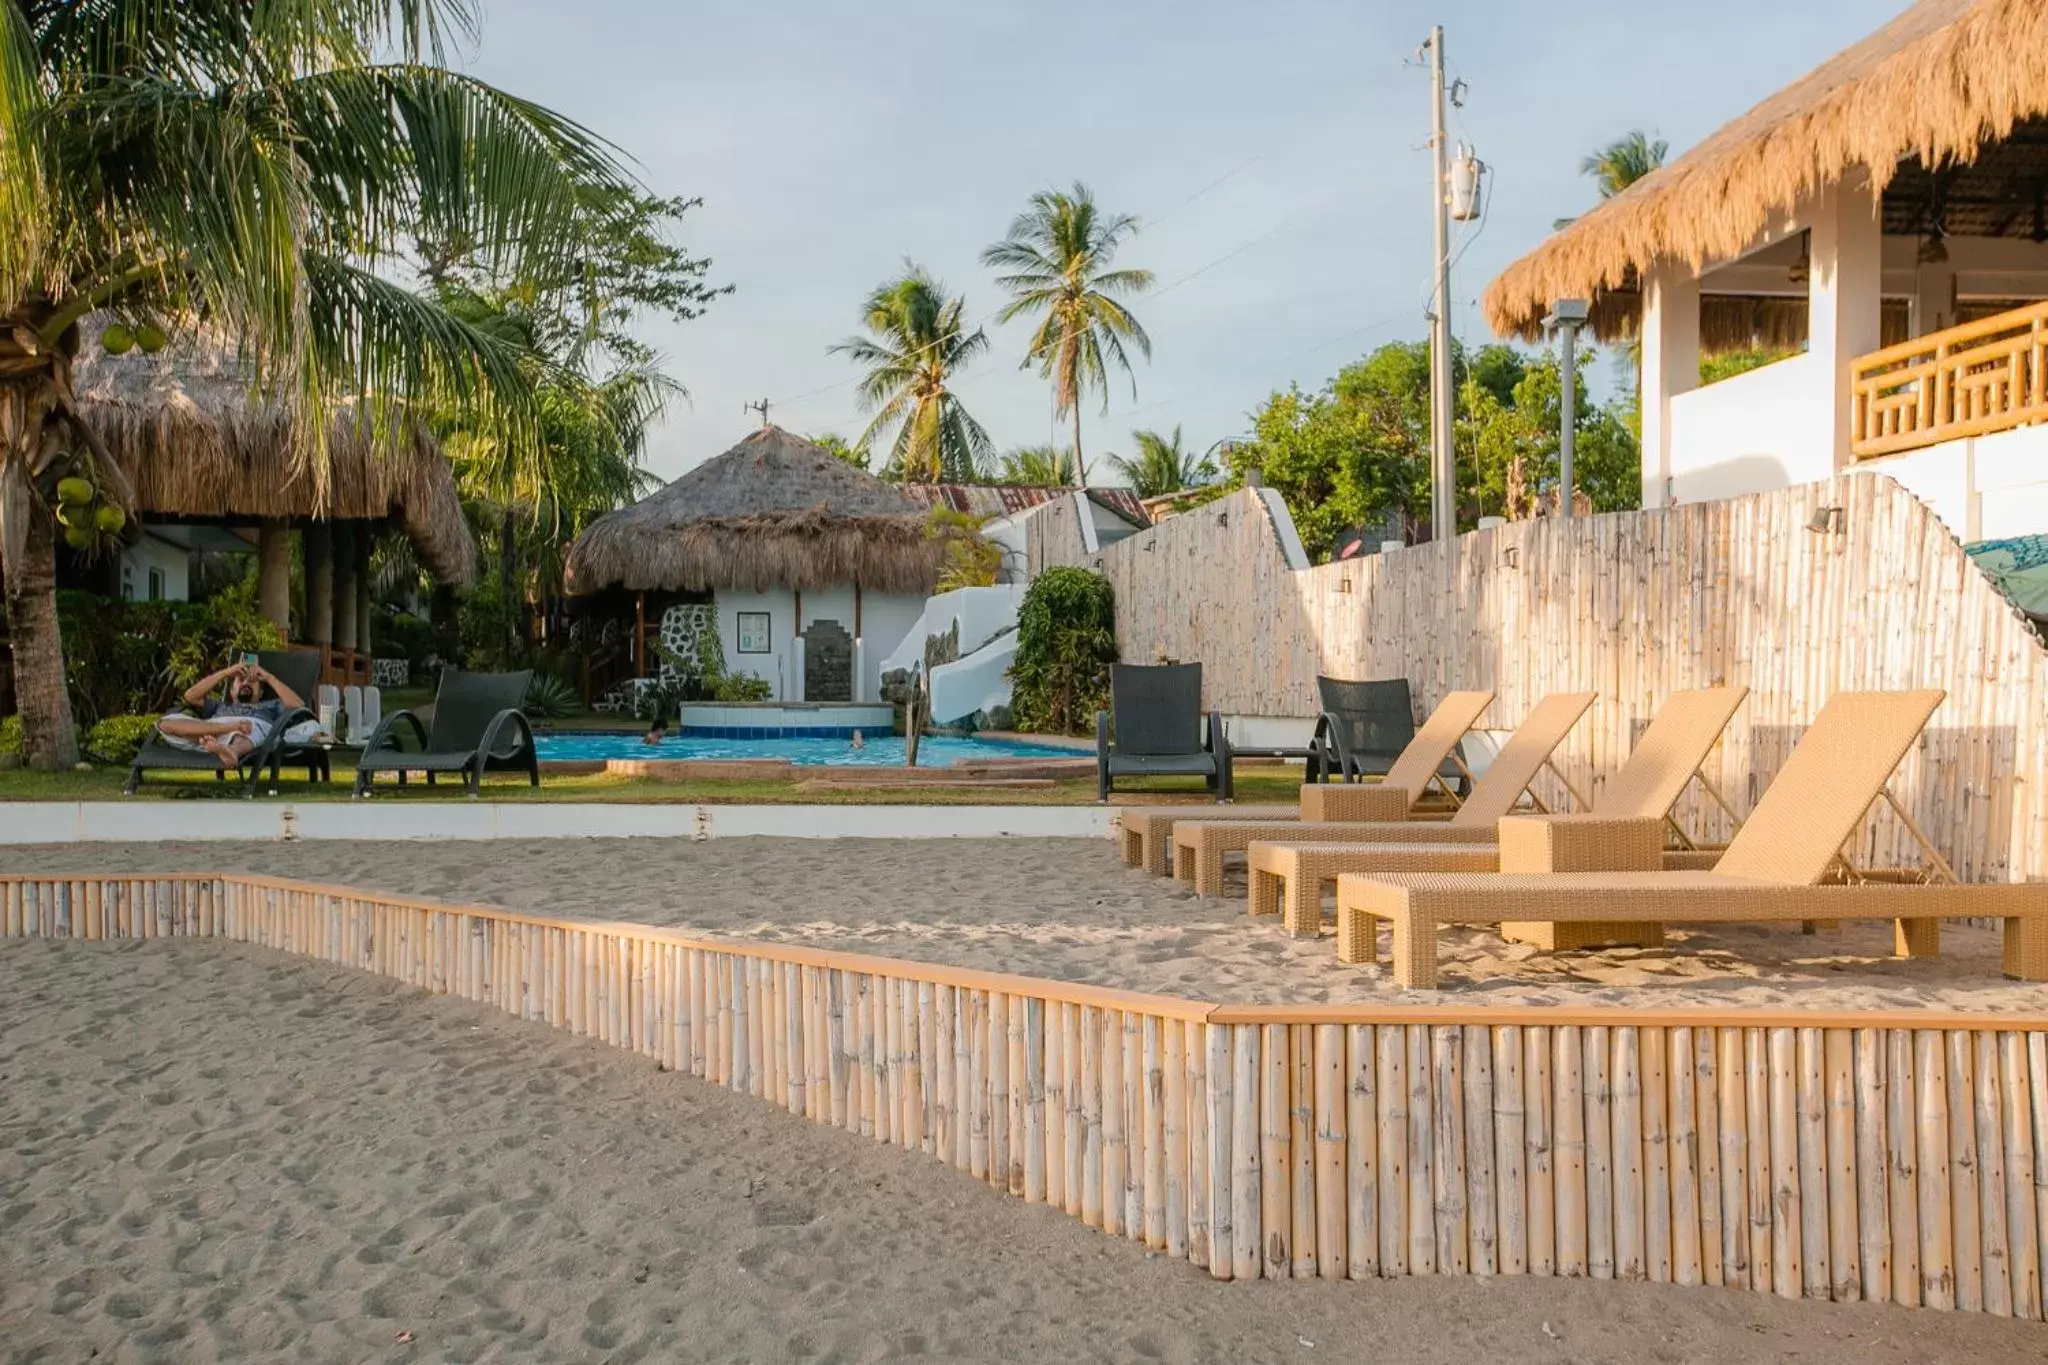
1255 783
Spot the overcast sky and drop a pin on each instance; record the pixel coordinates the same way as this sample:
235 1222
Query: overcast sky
1274 152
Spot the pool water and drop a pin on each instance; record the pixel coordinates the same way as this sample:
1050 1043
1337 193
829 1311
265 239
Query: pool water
879 751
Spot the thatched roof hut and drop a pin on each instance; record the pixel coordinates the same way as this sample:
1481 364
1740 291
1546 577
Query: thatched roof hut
774 511
1913 104
195 443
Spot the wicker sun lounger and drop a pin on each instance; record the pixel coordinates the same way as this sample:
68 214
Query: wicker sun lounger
1288 876
1144 834
1775 869
1198 848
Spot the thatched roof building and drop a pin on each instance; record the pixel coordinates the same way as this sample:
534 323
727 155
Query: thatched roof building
1945 108
774 511
196 444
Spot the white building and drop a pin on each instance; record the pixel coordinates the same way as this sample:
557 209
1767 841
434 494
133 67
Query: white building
1885 221
817 570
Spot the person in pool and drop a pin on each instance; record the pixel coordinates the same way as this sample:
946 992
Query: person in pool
657 729
231 725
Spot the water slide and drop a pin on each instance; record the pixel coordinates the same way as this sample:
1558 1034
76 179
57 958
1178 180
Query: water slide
977 680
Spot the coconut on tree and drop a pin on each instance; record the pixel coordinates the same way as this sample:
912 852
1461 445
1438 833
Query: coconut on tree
253 172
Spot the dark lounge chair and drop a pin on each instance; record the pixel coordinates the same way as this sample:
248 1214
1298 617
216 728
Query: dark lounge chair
297 669
478 728
1159 733
1363 729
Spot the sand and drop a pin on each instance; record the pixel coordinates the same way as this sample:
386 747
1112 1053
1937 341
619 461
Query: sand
210 1152
1068 909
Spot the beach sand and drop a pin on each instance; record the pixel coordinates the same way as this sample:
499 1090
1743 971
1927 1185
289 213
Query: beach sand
1069 909
211 1152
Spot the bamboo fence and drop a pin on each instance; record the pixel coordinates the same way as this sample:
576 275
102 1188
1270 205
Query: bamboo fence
1635 605
1897 1157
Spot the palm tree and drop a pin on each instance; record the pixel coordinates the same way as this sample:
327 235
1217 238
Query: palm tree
1624 161
1057 256
257 168
1162 466
1037 467
914 349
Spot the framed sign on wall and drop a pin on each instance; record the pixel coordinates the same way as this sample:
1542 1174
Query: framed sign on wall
753 632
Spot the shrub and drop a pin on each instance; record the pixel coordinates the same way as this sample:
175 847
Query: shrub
10 734
113 741
1066 641
549 698
133 658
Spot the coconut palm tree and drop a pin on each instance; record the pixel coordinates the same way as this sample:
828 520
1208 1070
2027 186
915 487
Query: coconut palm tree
254 170
914 349
1037 467
1163 466
1624 161
1058 256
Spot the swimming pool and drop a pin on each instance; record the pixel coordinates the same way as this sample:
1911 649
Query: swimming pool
879 751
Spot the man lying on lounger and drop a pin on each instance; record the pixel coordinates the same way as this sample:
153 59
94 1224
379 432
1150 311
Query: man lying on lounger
231 725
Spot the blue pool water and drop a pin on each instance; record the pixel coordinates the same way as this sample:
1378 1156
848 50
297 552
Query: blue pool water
880 750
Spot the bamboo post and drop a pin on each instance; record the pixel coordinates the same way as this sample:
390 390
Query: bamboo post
1939 1247
1630 1221
1079 1072
1873 1202
1787 1210
1246 1224
1845 1251
1091 1116
1568 1149
1221 1123
1174 1174
1478 1111
1972 1292
1991 1206
1034 1183
1686 1238
1276 1218
1136 1135
1391 1044
1422 1185
1195 1054
1114 1153
1299 1055
1600 1220
1362 1206
1810 1101
1155 1111
1757 1087
2023 1259
1020 1096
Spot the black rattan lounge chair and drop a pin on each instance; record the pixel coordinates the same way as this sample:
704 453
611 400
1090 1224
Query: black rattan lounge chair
297 669
478 728
1158 710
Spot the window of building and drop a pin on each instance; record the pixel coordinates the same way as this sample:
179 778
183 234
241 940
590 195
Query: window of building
156 585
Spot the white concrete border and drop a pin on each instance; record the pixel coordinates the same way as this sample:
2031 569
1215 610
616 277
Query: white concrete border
53 822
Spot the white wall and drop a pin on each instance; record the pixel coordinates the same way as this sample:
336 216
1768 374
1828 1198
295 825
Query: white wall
774 666
1982 487
1752 433
173 562
886 620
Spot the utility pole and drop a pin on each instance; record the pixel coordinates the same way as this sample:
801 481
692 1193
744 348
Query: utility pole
1443 465
759 405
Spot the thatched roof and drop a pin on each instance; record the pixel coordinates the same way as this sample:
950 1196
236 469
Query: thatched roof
195 442
774 511
1934 84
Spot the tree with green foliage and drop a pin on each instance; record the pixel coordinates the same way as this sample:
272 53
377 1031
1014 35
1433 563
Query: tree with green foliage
1624 161
1066 641
1036 467
1508 450
1162 465
256 171
840 449
915 348
1057 260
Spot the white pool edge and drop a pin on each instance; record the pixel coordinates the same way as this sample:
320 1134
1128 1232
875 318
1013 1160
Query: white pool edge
63 822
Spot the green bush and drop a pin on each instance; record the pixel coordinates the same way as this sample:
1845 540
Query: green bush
133 658
395 634
549 698
114 740
10 734
1066 641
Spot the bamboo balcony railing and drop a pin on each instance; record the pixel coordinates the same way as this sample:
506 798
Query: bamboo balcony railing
1981 377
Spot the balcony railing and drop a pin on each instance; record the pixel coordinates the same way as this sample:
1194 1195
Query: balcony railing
1988 375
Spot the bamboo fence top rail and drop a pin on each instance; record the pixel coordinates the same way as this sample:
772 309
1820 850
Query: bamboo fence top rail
1107 997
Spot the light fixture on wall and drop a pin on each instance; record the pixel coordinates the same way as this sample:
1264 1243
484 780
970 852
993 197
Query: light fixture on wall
1344 585
1826 519
1800 270
1933 248
1511 557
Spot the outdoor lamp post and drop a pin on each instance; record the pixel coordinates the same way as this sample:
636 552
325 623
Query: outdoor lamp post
1566 316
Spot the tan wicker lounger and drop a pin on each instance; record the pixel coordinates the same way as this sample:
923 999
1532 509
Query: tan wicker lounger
1772 870
1198 848
1289 875
1144 833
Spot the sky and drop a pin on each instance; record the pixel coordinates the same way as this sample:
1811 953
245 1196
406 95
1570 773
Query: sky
1275 155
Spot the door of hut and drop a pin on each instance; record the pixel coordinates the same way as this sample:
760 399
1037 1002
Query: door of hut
828 662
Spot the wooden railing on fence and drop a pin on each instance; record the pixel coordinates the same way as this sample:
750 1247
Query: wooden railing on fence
1980 377
1893 1156
1636 605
